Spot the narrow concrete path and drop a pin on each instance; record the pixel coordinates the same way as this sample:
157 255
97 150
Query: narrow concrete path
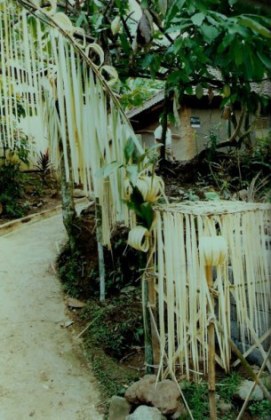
42 372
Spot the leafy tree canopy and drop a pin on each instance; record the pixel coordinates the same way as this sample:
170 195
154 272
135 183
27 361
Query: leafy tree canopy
206 44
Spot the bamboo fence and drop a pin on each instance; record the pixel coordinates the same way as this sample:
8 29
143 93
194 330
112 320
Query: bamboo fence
182 305
50 74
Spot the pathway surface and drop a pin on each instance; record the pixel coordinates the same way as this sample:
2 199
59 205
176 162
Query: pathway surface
43 374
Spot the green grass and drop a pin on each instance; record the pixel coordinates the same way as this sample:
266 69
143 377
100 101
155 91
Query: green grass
260 409
228 386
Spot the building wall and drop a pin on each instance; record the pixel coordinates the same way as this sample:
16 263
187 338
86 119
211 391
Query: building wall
188 141
37 141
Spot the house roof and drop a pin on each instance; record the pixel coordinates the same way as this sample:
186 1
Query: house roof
156 99
263 88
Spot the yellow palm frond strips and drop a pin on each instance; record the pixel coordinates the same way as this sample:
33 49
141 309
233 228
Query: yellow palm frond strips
49 74
242 281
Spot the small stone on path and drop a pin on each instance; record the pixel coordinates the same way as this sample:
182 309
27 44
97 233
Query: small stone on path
139 391
166 396
143 412
119 408
75 303
244 389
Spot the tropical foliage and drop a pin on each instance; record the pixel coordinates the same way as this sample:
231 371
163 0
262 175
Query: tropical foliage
222 47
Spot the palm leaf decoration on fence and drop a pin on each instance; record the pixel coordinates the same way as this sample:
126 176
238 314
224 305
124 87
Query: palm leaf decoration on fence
48 71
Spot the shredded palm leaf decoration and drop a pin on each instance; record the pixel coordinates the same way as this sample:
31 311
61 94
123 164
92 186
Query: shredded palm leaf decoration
48 72
242 279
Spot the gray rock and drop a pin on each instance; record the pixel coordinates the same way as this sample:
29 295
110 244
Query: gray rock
141 391
223 406
265 376
181 412
166 397
143 412
244 389
255 357
119 408
243 195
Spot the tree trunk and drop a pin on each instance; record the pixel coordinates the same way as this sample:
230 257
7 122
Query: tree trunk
70 219
98 215
164 123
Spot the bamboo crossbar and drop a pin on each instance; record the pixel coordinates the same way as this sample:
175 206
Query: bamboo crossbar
219 207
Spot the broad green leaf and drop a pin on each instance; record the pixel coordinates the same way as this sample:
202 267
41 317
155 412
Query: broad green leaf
155 64
226 91
264 59
199 91
136 199
214 18
115 25
189 90
132 171
175 77
124 43
82 19
129 149
177 45
237 51
227 40
162 4
255 26
198 18
147 214
211 196
144 4
209 32
145 63
173 10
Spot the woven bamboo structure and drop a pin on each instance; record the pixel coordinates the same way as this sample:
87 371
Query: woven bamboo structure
181 303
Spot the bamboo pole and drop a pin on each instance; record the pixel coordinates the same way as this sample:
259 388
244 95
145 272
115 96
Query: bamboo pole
211 350
147 327
246 365
146 316
213 251
254 384
153 307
